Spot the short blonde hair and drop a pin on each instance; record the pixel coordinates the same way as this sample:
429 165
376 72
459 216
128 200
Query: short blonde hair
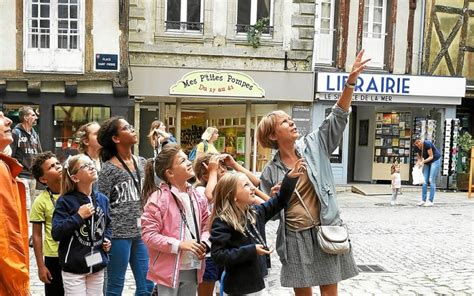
266 128
209 132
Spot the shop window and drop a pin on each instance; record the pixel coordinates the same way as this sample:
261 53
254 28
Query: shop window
375 31
54 36
184 15
67 120
325 26
250 11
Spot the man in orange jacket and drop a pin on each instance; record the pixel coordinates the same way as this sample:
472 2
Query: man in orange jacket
14 257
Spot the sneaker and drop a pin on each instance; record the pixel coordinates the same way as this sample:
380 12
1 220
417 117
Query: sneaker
428 204
420 203
392 203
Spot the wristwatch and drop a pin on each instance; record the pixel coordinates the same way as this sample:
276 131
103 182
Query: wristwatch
349 85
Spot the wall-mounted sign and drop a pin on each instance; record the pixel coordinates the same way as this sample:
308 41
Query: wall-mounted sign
301 115
106 62
394 85
217 83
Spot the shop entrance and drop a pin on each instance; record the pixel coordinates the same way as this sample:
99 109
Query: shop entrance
230 120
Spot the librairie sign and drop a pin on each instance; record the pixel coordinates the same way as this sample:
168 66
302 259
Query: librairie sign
392 88
217 83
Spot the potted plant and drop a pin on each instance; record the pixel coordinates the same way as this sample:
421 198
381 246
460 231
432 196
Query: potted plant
465 143
254 33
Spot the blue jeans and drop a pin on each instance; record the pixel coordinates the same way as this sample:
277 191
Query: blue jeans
430 172
126 251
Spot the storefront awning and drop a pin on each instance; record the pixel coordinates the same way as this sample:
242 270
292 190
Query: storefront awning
197 83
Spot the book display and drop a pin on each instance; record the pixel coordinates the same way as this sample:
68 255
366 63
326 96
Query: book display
392 144
449 156
392 137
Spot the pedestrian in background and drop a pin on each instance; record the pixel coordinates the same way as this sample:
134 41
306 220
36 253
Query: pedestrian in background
159 137
208 138
26 145
429 157
89 146
121 179
81 224
396 182
47 170
14 252
175 224
314 201
238 242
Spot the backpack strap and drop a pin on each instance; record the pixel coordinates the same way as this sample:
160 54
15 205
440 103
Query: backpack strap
205 145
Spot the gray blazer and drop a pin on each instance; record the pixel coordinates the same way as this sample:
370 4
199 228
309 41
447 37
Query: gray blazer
316 149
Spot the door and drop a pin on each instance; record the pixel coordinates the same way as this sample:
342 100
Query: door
147 116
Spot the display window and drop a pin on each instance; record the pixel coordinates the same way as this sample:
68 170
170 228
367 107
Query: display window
67 120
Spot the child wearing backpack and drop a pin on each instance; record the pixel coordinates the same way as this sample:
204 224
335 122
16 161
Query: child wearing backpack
238 229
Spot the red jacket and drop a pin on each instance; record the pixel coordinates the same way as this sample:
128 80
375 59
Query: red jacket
14 256
163 230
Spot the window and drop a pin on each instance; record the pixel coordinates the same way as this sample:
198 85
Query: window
67 120
250 11
374 31
54 36
184 15
324 32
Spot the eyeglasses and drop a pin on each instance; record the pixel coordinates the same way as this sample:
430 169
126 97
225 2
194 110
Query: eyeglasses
128 127
87 165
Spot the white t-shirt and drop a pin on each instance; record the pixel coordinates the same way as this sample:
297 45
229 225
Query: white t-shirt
396 180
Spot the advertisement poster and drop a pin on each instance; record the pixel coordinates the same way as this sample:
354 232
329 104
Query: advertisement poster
241 145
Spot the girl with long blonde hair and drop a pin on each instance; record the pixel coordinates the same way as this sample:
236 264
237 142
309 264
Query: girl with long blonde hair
238 241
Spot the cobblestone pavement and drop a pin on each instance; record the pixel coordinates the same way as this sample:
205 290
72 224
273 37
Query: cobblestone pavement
425 251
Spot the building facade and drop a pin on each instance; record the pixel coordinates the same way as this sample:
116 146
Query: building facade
394 100
66 58
206 63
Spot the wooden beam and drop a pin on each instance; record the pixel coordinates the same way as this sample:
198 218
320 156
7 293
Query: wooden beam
463 39
392 28
19 35
426 60
343 28
360 25
89 41
124 9
411 23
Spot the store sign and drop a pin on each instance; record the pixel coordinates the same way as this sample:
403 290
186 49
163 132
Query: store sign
388 88
216 83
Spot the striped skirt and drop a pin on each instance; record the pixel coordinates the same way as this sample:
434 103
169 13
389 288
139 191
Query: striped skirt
309 266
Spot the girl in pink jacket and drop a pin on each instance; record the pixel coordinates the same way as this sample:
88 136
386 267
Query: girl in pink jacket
174 224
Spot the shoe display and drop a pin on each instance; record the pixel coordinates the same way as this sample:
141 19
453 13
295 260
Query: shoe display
420 203
428 204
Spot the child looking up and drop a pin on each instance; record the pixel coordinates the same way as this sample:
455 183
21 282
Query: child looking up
81 224
174 224
238 229
47 170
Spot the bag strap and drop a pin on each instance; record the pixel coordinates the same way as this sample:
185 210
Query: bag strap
306 208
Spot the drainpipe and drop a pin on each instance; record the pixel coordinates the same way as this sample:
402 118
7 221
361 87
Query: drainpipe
422 36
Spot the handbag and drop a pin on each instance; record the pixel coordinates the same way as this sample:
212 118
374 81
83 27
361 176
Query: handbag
417 175
332 239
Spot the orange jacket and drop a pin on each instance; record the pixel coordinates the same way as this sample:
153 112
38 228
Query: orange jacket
14 257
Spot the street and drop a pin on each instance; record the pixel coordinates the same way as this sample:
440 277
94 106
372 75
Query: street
422 250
